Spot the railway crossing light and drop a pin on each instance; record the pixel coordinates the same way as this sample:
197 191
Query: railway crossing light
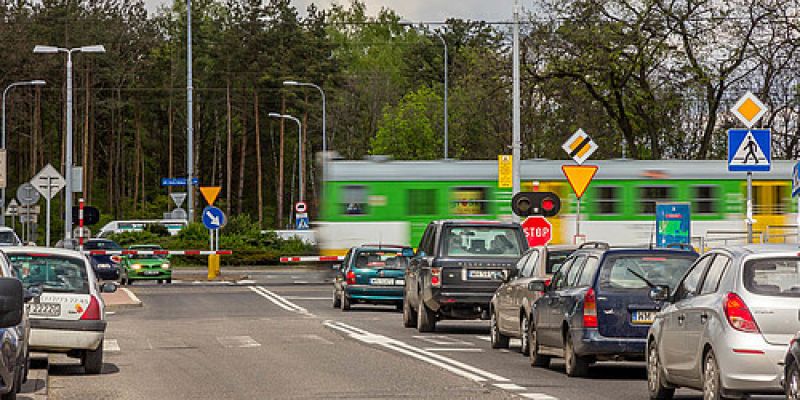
526 204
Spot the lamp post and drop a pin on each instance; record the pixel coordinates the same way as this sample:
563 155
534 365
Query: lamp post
299 150
37 82
68 156
515 112
322 93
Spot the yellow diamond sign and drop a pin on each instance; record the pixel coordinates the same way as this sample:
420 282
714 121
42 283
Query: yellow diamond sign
749 109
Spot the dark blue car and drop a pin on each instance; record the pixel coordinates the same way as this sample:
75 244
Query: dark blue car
597 307
106 267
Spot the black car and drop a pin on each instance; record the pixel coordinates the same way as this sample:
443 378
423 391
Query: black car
791 368
106 267
14 334
456 270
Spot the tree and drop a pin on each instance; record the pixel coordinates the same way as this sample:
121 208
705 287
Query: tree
406 131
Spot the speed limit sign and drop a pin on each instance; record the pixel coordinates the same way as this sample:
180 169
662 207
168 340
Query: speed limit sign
300 207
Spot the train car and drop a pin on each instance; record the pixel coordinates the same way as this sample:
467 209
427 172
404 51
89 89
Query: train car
393 201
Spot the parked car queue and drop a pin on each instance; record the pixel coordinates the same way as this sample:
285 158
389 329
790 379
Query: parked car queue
722 322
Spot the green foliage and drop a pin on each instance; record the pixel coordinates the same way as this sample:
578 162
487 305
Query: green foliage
406 130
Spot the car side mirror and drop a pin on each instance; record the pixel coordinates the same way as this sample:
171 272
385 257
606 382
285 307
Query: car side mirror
108 287
537 286
12 302
660 293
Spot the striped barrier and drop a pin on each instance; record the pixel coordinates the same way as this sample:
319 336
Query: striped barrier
311 259
158 252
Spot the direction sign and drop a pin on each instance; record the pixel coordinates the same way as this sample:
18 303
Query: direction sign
749 150
178 198
213 218
579 177
795 180
579 146
27 194
48 182
749 109
210 193
538 231
673 223
178 181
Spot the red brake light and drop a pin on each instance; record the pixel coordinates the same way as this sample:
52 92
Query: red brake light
590 309
738 315
93 311
436 274
351 278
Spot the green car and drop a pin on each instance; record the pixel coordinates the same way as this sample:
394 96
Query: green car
146 267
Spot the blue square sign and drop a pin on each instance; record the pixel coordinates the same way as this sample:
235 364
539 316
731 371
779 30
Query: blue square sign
796 180
749 150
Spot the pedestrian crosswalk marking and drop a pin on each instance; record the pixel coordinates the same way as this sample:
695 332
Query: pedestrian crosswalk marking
110 345
237 341
749 152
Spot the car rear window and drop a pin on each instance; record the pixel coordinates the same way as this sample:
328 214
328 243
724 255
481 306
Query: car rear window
555 259
482 241
631 271
773 276
372 259
51 273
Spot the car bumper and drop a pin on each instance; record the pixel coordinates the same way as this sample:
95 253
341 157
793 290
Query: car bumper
445 296
140 274
589 342
62 336
759 370
107 274
374 293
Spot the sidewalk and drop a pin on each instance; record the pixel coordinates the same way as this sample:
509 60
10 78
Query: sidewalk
122 298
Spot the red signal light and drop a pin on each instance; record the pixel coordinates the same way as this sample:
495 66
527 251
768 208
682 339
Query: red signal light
548 204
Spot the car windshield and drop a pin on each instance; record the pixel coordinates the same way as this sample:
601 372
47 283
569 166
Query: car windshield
773 276
482 241
371 259
8 239
146 256
555 259
101 245
51 273
635 271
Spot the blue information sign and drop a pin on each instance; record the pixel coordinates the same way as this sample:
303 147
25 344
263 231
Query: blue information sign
301 221
178 181
213 218
749 150
796 180
673 224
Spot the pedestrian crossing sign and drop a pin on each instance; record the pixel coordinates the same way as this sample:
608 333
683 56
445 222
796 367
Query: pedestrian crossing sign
749 150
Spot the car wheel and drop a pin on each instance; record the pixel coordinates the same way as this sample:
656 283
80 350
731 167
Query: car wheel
498 340
712 387
409 317
345 302
537 359
130 282
160 281
168 281
426 319
337 302
793 381
524 326
656 384
399 306
92 360
576 365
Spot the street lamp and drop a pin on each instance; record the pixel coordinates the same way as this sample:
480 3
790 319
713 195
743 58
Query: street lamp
37 82
322 93
299 149
39 49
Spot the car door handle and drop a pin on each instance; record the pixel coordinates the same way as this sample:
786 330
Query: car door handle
681 319
703 318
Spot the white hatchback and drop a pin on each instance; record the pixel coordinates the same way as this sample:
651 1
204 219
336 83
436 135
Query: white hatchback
69 315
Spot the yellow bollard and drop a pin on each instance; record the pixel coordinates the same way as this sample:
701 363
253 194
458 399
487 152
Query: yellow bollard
213 266
217 263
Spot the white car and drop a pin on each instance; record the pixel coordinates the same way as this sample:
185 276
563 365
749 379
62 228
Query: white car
8 237
69 315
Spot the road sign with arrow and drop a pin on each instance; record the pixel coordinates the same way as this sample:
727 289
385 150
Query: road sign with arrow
213 218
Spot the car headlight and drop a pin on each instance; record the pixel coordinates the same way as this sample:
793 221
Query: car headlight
136 266
165 265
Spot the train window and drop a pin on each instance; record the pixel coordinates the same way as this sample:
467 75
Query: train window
705 199
422 201
469 201
650 195
354 200
608 200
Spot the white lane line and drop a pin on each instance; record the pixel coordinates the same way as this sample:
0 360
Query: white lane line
237 341
111 345
278 300
246 282
510 386
457 367
538 396
454 349
306 298
443 340
131 295
485 338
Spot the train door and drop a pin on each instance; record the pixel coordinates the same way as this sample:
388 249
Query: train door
770 206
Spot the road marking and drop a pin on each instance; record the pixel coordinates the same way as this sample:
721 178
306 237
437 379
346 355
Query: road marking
306 298
443 340
246 282
131 295
278 300
486 338
110 345
237 341
456 367
510 386
538 396
454 349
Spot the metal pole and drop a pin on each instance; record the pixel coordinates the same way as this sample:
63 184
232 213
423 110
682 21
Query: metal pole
516 145
577 222
3 190
80 223
446 66
47 223
300 160
749 215
798 219
67 159
189 117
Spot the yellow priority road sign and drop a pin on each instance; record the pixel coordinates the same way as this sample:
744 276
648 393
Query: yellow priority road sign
580 146
210 193
749 109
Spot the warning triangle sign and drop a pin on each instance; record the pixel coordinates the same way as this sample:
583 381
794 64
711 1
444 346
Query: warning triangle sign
210 193
749 152
579 177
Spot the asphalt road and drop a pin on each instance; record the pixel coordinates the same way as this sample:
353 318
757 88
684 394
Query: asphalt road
278 337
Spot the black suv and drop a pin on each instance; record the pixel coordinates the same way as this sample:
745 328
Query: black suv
457 268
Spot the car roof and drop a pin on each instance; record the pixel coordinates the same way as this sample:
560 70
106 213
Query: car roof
744 250
384 246
54 251
5 229
474 222
376 248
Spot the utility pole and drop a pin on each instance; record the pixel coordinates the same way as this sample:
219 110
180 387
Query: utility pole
516 145
189 118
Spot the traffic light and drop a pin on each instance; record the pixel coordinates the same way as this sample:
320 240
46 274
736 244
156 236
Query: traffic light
91 215
546 204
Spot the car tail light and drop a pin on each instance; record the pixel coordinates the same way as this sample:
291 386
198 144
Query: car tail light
739 315
116 259
351 278
436 277
93 311
590 309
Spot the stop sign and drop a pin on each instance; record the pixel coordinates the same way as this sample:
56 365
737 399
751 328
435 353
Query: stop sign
538 231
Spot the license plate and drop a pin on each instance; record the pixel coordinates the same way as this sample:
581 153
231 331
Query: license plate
382 281
44 309
483 274
643 317
105 266
399 282
151 272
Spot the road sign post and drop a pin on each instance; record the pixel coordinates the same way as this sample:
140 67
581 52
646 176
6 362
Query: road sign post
48 182
579 178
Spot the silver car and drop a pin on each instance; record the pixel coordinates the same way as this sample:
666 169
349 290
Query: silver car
725 329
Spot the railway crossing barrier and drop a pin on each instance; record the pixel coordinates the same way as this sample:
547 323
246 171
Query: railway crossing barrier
296 259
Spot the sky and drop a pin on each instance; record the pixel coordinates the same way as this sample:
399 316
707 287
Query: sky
418 10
